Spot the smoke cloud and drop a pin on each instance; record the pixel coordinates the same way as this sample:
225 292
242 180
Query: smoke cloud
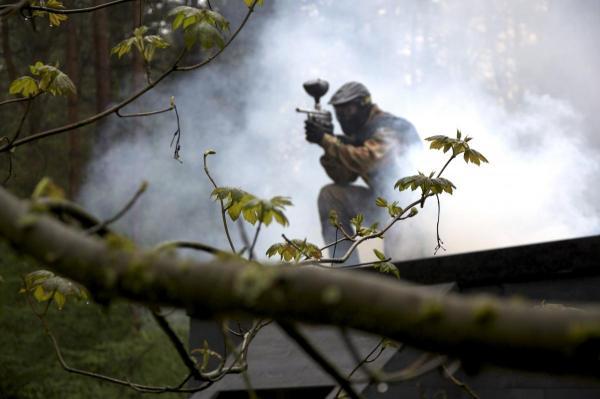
511 74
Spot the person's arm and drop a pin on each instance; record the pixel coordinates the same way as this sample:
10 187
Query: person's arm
336 171
360 159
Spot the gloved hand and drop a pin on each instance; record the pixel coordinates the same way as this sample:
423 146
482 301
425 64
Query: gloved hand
315 129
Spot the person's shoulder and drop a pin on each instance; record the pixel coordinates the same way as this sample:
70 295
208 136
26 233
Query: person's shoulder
389 121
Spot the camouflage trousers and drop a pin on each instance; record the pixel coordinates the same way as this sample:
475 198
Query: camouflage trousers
348 201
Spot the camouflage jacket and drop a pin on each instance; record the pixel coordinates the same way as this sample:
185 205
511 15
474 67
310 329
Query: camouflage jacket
373 155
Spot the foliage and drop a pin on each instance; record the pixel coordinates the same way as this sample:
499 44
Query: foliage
145 44
294 250
200 25
53 18
384 265
458 146
239 202
94 337
44 286
46 188
50 80
393 209
427 184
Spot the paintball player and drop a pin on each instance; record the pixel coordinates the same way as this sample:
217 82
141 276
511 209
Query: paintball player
370 148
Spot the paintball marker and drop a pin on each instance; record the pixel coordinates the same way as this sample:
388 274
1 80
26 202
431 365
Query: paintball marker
316 89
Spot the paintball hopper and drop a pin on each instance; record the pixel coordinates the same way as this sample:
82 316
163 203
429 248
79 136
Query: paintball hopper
316 89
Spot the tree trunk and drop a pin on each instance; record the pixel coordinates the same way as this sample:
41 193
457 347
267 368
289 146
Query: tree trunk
138 61
7 51
102 58
73 70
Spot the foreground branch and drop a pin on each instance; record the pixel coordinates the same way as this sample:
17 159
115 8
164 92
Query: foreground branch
477 329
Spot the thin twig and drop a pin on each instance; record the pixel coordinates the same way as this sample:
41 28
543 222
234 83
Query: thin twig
17 132
188 245
223 209
176 137
8 9
178 345
367 359
363 264
15 100
459 383
440 243
141 114
9 173
122 212
311 351
296 247
244 237
102 377
77 10
251 250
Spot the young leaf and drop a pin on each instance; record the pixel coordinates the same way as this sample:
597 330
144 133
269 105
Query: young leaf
25 85
357 221
381 202
53 18
379 254
333 218
387 267
47 189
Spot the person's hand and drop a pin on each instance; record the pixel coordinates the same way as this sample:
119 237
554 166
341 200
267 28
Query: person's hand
315 129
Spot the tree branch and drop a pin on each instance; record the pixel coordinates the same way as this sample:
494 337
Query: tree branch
94 118
178 345
188 245
477 329
77 10
325 364
121 213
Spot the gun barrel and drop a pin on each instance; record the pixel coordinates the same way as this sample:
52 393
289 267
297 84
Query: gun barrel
312 112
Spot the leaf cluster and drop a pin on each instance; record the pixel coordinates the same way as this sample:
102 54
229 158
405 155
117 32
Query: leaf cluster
383 266
427 184
393 209
54 19
46 286
357 221
458 146
239 202
294 250
203 26
45 79
145 44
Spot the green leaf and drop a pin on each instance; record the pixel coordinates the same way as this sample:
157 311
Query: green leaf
250 2
47 189
381 202
59 299
53 18
394 210
333 218
294 250
200 25
387 267
25 85
40 294
379 255
357 221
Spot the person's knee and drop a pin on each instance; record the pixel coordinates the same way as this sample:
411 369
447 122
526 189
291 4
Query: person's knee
328 196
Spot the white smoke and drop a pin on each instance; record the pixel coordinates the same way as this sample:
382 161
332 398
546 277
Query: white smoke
442 65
